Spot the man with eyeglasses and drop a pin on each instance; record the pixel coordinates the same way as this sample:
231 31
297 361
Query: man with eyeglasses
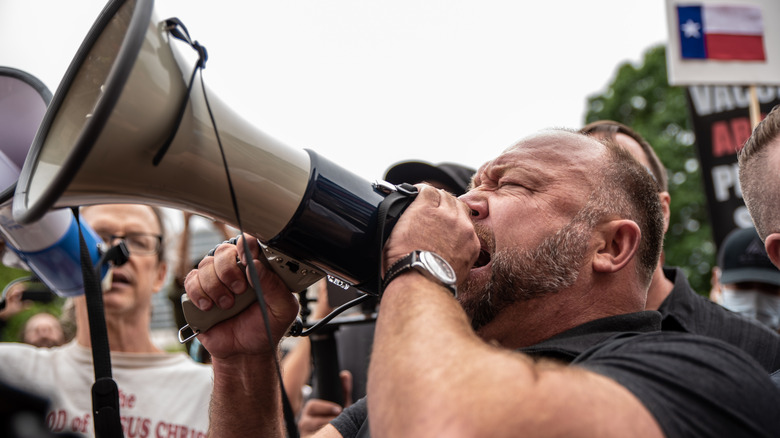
160 394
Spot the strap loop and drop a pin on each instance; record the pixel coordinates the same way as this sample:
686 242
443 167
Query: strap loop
177 29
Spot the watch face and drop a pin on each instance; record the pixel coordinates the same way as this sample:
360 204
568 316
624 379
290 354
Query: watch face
438 266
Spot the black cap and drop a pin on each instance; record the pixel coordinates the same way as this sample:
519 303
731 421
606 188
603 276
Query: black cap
455 176
742 258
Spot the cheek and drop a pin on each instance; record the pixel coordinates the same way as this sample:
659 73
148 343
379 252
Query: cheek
147 272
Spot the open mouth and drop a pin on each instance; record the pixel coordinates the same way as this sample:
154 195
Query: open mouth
482 260
120 277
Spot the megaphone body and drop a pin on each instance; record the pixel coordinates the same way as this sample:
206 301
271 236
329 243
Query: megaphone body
48 247
119 103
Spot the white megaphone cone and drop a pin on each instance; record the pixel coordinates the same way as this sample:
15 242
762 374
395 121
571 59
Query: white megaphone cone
132 121
48 247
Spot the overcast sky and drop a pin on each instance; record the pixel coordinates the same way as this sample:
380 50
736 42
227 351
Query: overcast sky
368 83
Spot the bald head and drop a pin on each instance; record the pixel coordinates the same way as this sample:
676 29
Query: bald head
599 172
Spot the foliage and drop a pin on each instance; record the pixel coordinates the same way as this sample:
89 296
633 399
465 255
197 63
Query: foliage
13 326
640 97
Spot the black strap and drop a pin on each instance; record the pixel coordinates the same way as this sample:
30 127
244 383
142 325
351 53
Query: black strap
391 207
177 29
105 393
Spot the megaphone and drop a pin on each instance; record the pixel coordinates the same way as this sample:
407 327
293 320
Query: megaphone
117 107
48 247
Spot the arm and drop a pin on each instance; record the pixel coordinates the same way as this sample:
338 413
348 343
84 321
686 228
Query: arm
296 366
430 369
296 369
246 398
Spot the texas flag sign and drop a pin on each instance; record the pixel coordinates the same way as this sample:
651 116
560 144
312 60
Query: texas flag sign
723 42
723 32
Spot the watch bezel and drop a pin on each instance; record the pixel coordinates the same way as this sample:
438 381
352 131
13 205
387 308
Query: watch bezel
437 266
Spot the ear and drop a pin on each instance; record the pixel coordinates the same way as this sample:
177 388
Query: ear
772 245
666 199
618 245
715 285
162 270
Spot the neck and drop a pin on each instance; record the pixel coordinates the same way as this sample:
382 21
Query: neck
126 333
660 288
527 323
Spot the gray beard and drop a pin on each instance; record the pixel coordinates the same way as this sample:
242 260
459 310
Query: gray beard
521 275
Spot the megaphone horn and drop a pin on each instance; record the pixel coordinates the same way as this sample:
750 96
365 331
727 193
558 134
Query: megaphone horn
114 110
50 246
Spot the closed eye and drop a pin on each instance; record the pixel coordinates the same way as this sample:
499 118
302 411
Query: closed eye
510 184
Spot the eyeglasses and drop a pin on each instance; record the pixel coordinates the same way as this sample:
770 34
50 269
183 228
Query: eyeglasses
137 243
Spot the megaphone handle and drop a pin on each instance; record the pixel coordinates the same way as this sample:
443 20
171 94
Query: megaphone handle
199 321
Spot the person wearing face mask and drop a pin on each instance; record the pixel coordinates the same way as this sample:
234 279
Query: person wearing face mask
747 281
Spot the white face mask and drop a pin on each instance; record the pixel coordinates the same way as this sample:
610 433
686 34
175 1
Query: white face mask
754 304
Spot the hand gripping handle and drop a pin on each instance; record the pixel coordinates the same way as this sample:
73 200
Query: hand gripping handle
296 275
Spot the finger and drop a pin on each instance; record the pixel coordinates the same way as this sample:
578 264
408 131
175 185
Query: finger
346 385
229 269
316 414
206 286
194 291
450 201
321 408
15 293
428 195
254 248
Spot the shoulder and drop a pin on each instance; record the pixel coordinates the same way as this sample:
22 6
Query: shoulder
14 352
352 419
690 382
29 368
685 310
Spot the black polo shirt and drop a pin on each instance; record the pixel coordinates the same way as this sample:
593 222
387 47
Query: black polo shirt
692 385
686 311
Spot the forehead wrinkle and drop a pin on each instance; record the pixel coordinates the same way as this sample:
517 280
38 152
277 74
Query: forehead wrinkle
129 217
552 160
548 157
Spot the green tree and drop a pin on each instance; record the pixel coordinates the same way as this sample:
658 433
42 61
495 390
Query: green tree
640 97
10 330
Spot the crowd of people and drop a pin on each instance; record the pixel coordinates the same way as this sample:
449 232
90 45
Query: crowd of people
529 294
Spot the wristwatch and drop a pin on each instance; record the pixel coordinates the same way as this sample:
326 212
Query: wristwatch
429 263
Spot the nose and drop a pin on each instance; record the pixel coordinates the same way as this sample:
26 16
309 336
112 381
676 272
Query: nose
476 202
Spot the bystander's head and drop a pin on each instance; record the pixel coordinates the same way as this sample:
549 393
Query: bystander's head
43 330
749 282
759 161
